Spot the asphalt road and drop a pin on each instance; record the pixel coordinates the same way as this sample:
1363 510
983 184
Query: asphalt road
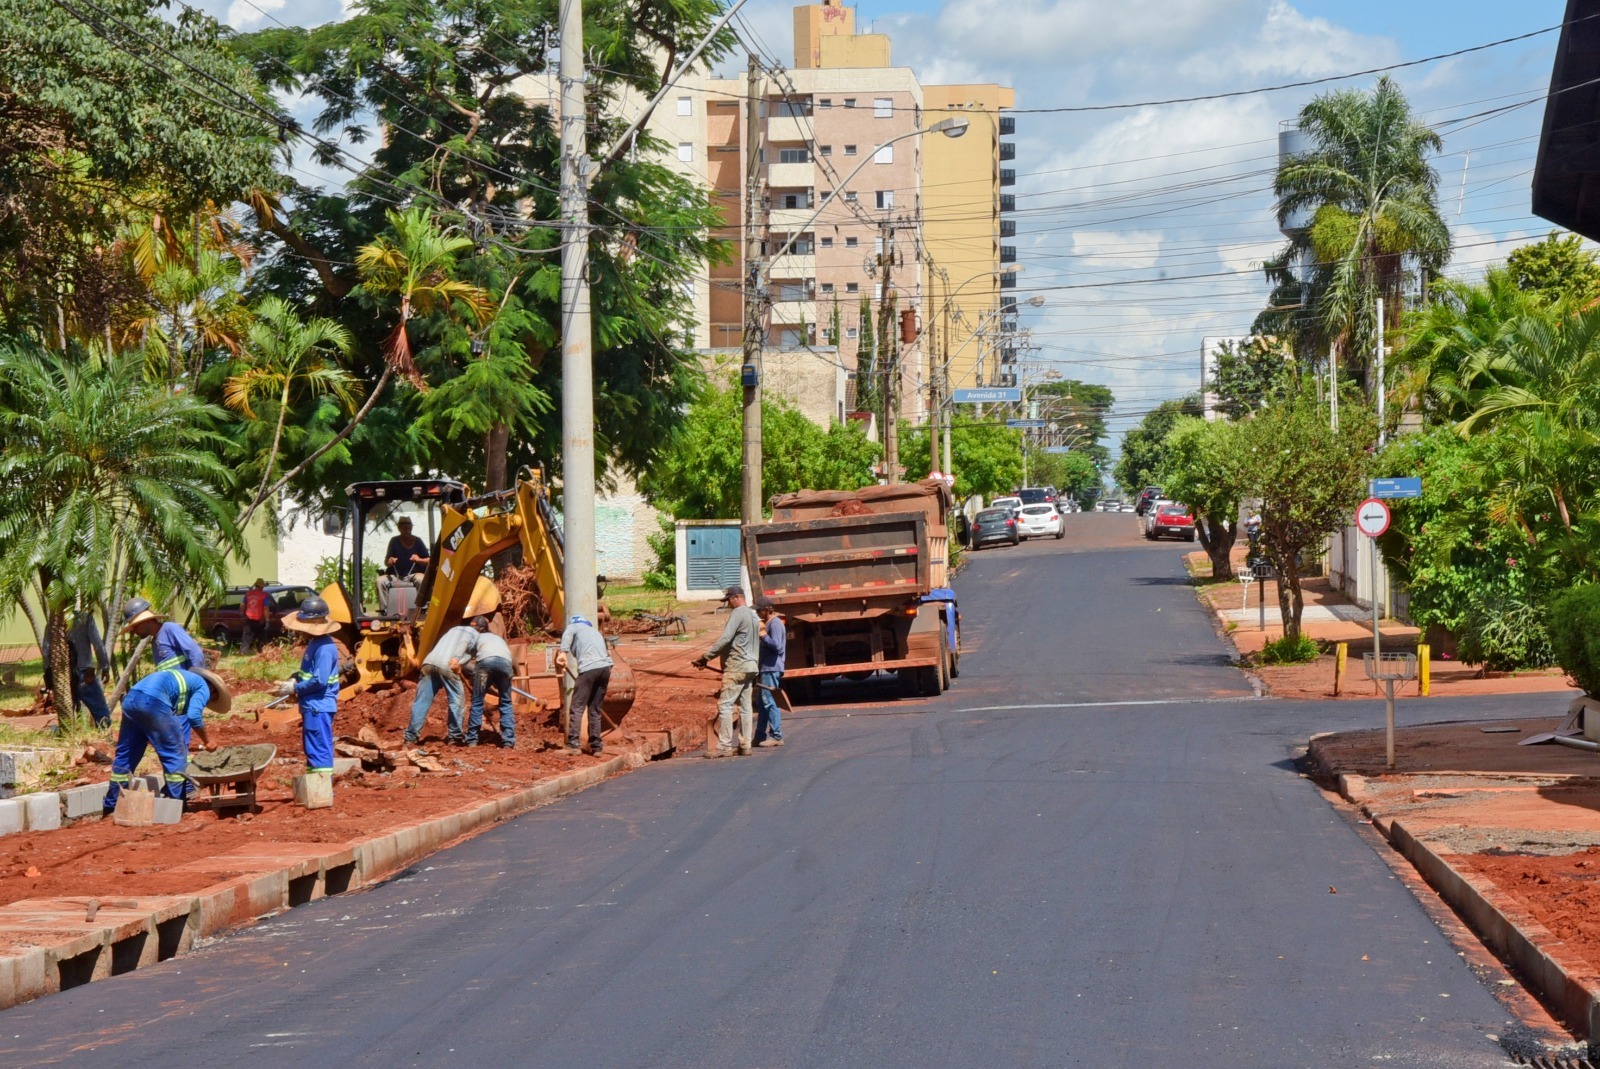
1034 870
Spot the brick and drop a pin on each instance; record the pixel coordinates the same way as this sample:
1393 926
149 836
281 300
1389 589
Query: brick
167 811
314 790
87 801
13 818
42 812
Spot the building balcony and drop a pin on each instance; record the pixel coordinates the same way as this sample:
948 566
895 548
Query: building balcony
794 265
1008 254
785 128
788 220
1008 306
1008 282
1008 355
1008 228
794 312
780 175
1008 125
1008 150
1008 177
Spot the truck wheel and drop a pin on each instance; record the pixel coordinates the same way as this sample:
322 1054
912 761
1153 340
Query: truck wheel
220 636
955 655
944 660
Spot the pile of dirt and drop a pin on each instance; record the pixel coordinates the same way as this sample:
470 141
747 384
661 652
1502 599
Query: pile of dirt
1560 892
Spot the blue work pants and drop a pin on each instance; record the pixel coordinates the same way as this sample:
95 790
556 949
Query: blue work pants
87 692
316 735
150 724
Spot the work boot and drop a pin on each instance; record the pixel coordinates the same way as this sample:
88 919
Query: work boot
744 751
719 752
573 751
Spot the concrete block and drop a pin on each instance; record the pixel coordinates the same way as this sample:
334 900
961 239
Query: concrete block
42 812
13 817
314 790
135 809
79 802
167 811
343 766
16 764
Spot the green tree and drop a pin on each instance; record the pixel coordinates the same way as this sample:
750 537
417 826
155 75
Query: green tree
1372 197
987 456
698 476
1309 478
1143 447
1074 474
1079 410
1559 269
1251 374
106 479
1205 467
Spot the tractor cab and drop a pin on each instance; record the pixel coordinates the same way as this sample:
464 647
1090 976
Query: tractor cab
395 530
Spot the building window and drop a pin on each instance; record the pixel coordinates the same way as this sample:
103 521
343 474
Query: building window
793 109
851 243
850 332
827 287
827 243
884 155
849 102
685 106
882 107
827 150
877 246
826 193
852 287
849 150
850 195
685 152
825 102
794 155
877 291
795 200
885 198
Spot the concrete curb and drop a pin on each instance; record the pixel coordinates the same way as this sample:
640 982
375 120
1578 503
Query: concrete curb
62 943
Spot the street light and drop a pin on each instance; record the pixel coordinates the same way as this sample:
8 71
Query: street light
755 341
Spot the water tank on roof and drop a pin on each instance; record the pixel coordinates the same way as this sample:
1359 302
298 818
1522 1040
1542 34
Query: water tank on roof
1292 141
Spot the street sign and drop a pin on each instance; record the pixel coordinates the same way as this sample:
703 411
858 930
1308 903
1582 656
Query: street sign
1056 449
988 395
1397 487
1025 424
1372 517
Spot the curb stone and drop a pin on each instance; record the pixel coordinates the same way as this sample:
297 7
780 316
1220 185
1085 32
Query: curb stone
79 940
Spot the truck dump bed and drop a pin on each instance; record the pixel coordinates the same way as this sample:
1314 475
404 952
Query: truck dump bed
842 557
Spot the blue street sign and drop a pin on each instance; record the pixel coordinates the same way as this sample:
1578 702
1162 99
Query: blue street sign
1056 449
1397 487
1025 424
988 395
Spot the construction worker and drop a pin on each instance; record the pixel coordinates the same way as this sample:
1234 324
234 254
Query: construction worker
774 647
582 642
174 647
740 650
88 663
258 610
491 670
441 670
316 685
162 710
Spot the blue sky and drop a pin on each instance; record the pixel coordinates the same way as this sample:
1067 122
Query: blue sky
1117 206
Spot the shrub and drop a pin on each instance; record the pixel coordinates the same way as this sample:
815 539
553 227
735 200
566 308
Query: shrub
664 544
1573 621
1290 650
1503 632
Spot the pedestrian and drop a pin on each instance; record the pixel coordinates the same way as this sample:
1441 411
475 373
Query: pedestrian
491 670
316 686
405 564
740 650
174 647
258 610
582 642
89 664
162 710
774 645
441 669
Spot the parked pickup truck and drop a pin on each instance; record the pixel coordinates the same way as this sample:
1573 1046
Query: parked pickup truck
862 581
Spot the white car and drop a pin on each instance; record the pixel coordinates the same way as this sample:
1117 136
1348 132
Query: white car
1040 521
1012 503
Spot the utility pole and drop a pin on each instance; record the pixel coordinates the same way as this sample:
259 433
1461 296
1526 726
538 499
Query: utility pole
1333 385
936 391
1378 384
889 339
945 368
755 285
577 359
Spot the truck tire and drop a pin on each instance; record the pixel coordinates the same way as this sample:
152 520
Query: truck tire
955 654
944 659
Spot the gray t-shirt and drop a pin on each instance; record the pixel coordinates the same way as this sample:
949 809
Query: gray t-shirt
740 644
491 645
587 646
458 644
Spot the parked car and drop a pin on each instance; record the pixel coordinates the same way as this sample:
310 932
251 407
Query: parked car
1012 503
1148 520
1040 521
223 619
1172 521
995 525
1146 497
1128 506
1038 495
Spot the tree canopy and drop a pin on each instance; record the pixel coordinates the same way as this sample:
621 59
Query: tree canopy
1144 446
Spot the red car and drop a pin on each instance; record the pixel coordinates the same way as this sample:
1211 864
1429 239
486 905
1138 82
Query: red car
1172 521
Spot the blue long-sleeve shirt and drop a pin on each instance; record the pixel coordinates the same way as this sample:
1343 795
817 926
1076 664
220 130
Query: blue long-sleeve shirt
175 648
316 685
180 693
774 645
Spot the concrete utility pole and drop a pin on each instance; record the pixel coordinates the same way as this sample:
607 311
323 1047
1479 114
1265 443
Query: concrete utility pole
577 358
889 339
1377 386
755 287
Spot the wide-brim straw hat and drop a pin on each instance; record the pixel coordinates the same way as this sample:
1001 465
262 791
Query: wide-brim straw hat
221 701
316 625
140 617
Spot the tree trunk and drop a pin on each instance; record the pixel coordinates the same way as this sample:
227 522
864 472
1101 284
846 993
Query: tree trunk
496 445
58 673
1291 602
1217 539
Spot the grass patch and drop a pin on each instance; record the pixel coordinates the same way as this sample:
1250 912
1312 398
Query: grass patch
279 660
625 599
26 676
1286 650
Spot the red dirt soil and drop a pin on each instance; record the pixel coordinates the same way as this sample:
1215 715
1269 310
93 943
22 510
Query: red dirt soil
96 857
1562 893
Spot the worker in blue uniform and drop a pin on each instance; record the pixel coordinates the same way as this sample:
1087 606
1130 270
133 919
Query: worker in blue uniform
174 647
163 710
316 685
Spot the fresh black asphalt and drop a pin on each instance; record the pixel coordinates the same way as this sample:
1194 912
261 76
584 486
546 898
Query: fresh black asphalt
1015 874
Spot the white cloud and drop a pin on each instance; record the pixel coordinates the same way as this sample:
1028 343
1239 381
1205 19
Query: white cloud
244 14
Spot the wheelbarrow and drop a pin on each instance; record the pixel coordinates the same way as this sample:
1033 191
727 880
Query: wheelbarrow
228 776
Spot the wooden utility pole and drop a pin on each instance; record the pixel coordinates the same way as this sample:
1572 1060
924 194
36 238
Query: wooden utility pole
889 342
755 286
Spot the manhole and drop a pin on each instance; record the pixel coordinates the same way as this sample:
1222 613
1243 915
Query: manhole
1544 1061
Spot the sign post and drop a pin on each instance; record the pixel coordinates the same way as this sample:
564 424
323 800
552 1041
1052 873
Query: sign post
1372 518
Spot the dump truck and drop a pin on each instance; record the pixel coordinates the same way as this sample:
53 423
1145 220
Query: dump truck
862 580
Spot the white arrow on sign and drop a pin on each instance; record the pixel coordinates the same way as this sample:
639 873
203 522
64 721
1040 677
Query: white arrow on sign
1372 517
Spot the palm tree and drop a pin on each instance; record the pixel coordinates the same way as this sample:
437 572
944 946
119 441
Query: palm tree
287 359
1374 213
103 474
